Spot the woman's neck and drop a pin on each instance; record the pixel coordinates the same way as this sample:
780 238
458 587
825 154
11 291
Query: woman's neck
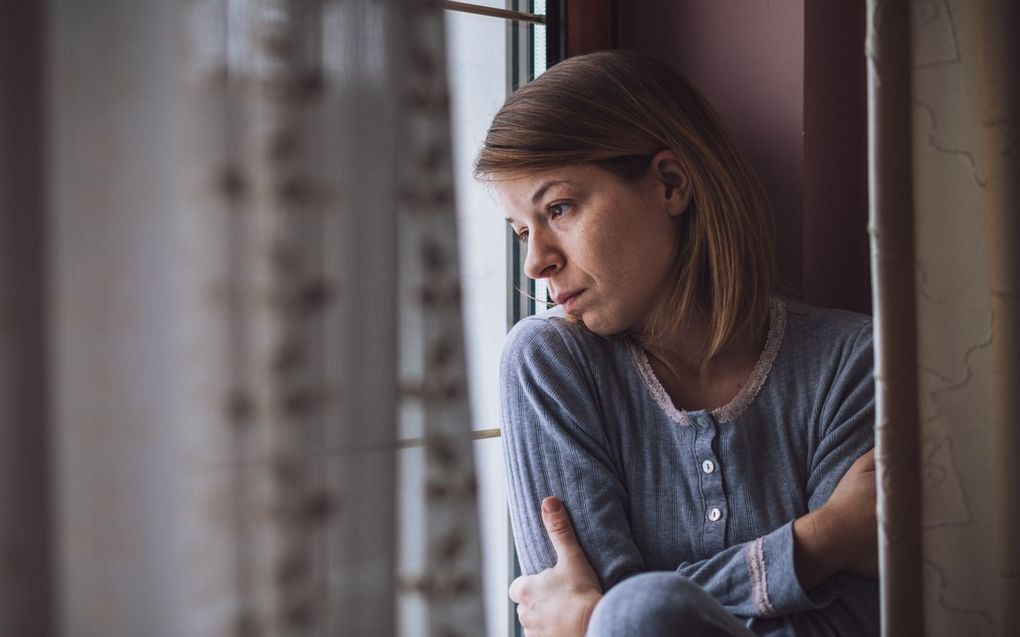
695 382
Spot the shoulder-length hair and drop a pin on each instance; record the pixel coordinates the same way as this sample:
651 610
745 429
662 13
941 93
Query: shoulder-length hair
610 107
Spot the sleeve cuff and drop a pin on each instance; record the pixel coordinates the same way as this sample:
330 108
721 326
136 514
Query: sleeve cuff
775 588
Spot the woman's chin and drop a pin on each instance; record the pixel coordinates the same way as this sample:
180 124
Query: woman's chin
596 324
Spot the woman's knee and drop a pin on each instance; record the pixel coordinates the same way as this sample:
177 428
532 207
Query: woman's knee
659 604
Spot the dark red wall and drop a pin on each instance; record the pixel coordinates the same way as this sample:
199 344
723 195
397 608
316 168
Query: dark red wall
789 80
26 597
837 262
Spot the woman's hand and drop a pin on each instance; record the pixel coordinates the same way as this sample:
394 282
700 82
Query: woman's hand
558 602
852 509
842 535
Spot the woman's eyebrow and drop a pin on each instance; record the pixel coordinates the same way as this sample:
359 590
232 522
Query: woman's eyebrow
545 186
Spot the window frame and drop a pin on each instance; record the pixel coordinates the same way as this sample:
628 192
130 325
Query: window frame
572 27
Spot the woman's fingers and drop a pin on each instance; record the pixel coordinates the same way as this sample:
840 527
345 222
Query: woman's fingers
560 530
515 590
558 601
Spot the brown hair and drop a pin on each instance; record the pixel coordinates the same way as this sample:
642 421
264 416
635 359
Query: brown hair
611 107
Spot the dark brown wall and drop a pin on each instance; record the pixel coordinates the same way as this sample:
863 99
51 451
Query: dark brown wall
592 25
746 57
788 79
25 546
837 262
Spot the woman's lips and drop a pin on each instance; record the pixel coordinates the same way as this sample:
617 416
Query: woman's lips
569 302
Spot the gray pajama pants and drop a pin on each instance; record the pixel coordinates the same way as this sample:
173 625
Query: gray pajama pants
662 605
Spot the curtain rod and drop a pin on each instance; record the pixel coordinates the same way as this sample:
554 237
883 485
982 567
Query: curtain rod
521 16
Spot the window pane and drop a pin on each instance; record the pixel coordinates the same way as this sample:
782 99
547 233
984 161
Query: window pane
497 543
492 4
477 65
540 49
412 620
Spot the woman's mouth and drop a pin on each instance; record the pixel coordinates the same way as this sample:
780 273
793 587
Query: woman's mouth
569 300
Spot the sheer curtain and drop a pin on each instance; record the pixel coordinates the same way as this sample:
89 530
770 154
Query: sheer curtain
945 172
241 278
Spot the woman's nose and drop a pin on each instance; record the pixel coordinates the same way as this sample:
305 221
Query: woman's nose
544 257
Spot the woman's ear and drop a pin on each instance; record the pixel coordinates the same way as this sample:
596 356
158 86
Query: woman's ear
674 183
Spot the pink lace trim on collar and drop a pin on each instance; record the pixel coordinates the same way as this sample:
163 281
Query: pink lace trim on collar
733 409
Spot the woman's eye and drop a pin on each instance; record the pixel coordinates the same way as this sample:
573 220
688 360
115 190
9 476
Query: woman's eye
558 209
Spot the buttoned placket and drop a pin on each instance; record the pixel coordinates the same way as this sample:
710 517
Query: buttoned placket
716 507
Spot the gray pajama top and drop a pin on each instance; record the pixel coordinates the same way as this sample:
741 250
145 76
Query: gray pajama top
710 495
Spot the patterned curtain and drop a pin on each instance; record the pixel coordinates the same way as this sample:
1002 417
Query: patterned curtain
945 173
248 265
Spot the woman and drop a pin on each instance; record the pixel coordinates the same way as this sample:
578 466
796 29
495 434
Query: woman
701 433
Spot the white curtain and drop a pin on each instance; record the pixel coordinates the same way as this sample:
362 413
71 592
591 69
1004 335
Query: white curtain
945 172
250 273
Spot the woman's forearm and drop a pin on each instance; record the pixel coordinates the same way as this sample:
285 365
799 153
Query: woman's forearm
842 535
815 554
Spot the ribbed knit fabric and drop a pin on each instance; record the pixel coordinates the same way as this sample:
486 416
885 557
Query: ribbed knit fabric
709 495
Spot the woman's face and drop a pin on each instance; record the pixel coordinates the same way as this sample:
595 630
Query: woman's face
604 245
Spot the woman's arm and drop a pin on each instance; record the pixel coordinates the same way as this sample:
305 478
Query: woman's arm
555 445
559 601
791 566
842 535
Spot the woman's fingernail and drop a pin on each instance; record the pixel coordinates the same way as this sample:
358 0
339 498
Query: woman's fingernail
551 505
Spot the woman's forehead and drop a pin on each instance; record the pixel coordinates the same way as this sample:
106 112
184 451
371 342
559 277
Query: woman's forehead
527 184
525 191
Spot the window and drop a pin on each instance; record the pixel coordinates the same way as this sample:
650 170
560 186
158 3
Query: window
488 57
